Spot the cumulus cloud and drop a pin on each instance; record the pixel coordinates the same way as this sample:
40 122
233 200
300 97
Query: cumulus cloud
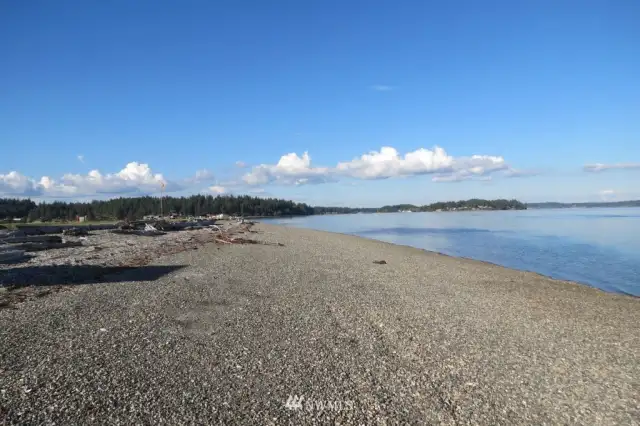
133 178
291 169
217 189
599 167
14 183
241 164
389 163
383 164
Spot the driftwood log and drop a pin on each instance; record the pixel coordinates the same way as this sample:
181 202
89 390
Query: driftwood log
11 255
142 232
44 245
57 229
32 239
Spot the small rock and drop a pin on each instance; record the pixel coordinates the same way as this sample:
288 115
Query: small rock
380 262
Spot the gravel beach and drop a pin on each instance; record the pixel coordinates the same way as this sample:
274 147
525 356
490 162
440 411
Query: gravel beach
229 333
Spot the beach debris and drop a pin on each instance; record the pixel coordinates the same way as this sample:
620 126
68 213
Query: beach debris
142 232
31 263
75 232
58 229
30 239
9 256
380 262
36 246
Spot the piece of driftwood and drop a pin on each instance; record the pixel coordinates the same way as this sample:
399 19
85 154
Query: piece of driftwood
44 245
76 232
142 232
11 255
32 239
10 234
179 226
57 229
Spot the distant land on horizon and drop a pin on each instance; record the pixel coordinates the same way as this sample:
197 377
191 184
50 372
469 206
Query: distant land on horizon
557 205
26 210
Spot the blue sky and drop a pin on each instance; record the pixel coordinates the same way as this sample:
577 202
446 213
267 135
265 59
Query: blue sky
391 100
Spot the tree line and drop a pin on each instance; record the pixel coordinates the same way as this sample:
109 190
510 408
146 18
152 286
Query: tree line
199 205
137 207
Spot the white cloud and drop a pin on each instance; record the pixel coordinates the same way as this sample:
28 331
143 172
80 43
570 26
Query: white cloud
14 183
291 169
134 178
241 164
217 189
382 88
386 163
599 167
458 177
389 163
515 173
81 158
203 175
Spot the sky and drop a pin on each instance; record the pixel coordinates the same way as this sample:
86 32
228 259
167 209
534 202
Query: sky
328 102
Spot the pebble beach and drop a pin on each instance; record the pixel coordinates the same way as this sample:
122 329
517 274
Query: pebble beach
316 327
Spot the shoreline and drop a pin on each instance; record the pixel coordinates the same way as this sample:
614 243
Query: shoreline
470 259
228 333
561 280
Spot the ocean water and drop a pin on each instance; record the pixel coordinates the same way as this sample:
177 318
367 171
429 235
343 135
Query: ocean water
598 246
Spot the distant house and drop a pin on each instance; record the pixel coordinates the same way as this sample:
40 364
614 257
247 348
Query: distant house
82 218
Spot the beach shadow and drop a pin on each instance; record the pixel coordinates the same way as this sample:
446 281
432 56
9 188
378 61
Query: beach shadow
81 274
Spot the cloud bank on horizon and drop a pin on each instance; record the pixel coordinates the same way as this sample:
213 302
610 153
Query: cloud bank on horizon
291 170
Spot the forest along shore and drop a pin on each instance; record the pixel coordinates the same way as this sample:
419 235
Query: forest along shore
319 327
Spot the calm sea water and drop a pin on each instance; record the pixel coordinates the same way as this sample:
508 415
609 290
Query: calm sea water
599 247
